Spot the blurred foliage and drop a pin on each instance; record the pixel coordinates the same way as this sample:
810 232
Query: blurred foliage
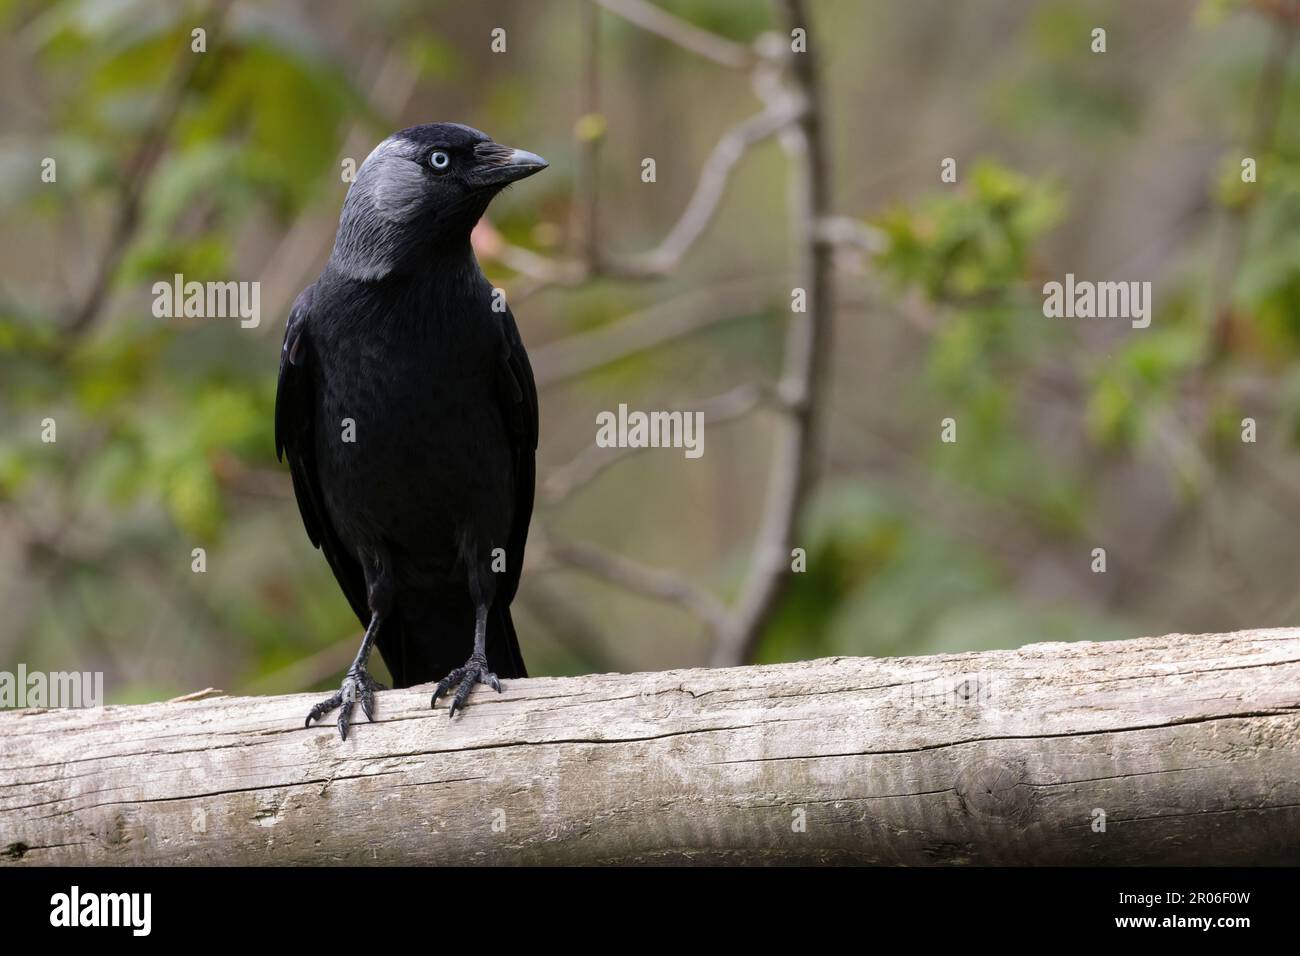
159 422
969 250
915 546
879 581
972 242
1069 90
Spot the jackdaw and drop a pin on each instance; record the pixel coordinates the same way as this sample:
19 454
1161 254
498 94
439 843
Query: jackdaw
408 413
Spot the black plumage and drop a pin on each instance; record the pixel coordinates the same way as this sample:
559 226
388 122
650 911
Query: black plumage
403 346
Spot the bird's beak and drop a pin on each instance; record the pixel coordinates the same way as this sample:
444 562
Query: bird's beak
499 165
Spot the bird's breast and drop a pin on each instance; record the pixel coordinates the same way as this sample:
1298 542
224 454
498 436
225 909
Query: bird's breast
412 448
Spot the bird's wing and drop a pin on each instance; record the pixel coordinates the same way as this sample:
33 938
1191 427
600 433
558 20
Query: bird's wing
517 396
295 415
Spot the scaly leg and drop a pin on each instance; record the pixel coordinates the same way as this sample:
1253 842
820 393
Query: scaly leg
475 670
358 685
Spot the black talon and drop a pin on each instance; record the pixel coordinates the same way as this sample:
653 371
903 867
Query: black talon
325 707
358 685
474 672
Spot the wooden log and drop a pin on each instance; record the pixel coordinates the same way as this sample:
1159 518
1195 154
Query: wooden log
1187 748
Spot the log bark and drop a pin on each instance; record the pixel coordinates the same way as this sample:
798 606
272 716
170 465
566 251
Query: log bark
1189 746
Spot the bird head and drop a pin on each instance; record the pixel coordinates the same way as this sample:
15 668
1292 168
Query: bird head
420 192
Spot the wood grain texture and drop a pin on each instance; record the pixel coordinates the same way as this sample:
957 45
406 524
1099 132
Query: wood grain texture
1189 744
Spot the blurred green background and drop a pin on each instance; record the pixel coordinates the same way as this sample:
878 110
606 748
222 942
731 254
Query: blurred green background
1073 434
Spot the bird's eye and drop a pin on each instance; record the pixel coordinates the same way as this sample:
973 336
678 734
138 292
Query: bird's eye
440 161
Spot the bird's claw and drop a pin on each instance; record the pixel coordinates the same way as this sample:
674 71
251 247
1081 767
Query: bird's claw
474 672
358 685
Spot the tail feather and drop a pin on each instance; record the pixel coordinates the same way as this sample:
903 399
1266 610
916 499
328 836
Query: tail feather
425 647
503 653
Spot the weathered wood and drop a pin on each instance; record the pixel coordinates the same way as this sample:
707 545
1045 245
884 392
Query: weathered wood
1189 744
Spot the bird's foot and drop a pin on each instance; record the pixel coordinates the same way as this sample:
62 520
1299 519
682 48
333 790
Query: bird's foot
358 685
474 672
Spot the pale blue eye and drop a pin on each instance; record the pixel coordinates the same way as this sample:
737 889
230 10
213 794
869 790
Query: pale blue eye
440 161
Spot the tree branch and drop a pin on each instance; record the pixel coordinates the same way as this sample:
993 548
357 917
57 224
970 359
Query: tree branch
803 379
657 325
661 23
633 576
690 226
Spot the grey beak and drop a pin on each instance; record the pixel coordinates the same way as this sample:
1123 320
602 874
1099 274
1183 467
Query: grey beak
515 164
530 162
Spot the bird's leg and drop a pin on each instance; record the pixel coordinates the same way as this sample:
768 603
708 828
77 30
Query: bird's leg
358 685
474 671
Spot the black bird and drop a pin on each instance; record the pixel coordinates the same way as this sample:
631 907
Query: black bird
408 413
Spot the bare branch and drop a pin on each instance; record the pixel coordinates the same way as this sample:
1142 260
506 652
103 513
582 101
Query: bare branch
795 114
660 323
847 231
708 191
661 23
807 347
590 133
540 268
633 576
206 694
690 226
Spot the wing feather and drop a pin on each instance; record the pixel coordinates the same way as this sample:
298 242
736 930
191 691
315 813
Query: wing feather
295 440
518 397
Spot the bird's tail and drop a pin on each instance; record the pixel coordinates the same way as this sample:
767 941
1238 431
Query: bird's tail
424 647
503 653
